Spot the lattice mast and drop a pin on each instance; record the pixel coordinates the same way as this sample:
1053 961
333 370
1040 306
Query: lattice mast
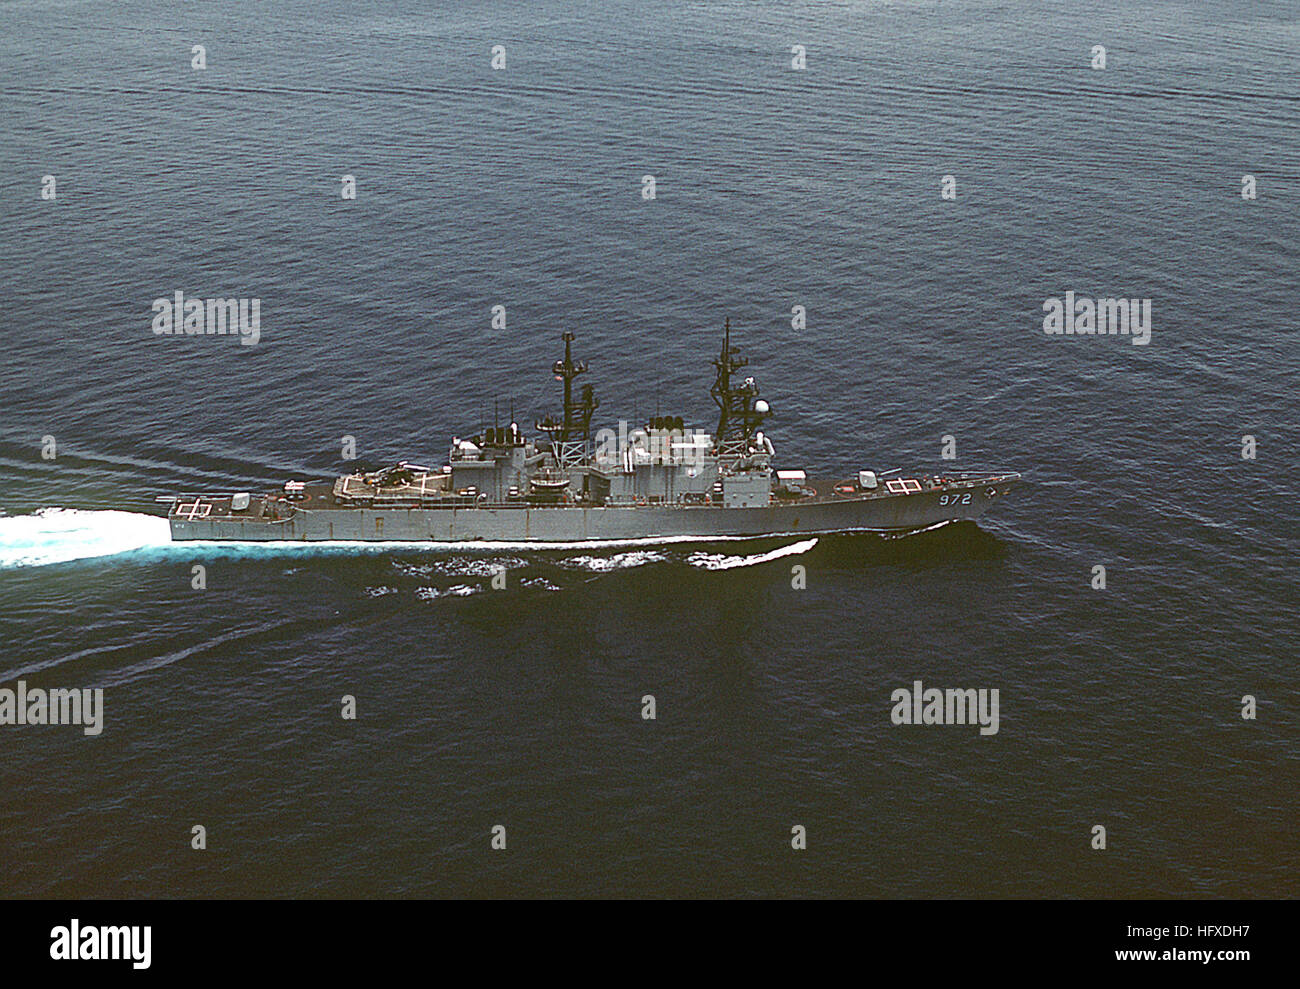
740 411
577 414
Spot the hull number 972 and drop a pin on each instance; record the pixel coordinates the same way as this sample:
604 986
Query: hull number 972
955 499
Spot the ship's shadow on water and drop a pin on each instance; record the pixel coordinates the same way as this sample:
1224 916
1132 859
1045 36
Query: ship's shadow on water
487 581
945 544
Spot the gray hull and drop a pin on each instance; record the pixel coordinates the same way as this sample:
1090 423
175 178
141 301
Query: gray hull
575 524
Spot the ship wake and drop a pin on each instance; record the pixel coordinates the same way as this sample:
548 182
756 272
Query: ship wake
61 535
716 561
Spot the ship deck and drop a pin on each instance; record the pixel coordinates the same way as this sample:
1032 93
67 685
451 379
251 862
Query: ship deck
324 496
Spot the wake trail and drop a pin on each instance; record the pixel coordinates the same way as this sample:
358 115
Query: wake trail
717 561
61 535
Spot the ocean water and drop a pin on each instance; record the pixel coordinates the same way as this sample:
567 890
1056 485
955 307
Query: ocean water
775 188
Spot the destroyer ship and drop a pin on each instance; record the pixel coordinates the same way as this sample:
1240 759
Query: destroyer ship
564 485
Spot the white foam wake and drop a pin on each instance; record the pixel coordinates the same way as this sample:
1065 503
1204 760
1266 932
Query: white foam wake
904 533
59 535
716 561
619 561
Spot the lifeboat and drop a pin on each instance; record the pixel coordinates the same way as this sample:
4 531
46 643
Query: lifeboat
548 487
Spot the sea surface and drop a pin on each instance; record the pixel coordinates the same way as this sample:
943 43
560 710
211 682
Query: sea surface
775 188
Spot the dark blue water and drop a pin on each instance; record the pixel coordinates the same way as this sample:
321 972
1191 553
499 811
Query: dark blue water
775 188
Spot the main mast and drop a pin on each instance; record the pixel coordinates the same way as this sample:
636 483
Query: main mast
577 415
740 410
